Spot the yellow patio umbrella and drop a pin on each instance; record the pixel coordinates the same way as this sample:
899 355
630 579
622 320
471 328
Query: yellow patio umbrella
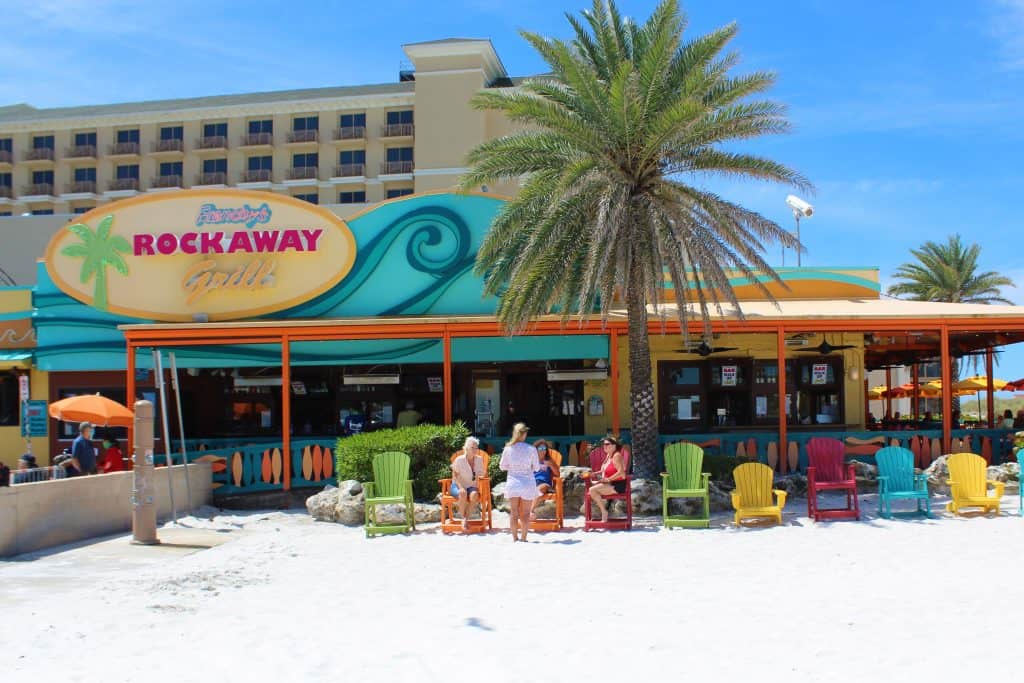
980 383
936 386
877 393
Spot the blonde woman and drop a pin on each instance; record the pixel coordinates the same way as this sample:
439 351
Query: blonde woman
519 459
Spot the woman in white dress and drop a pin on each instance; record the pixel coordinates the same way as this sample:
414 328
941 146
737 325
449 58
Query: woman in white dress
519 459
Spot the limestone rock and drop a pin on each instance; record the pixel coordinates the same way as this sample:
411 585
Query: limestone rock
573 488
866 475
1008 472
395 514
938 474
795 485
719 500
349 507
321 506
646 497
499 501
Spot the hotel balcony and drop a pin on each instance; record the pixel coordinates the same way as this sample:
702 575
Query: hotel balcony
302 137
350 133
396 167
6 158
302 173
80 152
37 192
397 130
209 143
39 155
257 140
6 192
212 179
260 176
349 171
124 149
174 148
165 181
124 184
80 187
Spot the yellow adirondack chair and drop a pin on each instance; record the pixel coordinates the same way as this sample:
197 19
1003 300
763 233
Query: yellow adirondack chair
753 495
969 487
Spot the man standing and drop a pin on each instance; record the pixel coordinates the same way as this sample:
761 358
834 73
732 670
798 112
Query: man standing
466 469
83 455
410 417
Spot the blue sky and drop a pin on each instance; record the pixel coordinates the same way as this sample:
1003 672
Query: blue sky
906 115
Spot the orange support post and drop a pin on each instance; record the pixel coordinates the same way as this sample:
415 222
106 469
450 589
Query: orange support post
915 378
447 376
991 389
888 393
613 375
286 410
783 404
947 389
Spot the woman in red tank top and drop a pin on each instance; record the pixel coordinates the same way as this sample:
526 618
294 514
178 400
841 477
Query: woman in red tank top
612 475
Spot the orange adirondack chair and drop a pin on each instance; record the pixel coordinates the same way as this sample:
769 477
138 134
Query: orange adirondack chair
558 522
451 524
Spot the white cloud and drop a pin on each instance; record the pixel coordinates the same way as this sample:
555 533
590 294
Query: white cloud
1008 30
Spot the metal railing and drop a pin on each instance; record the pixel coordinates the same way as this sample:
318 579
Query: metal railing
397 130
6 192
124 184
253 139
36 189
80 186
39 154
391 167
5 157
349 170
212 142
124 148
304 136
303 173
212 179
350 133
177 145
167 181
38 474
259 176
81 152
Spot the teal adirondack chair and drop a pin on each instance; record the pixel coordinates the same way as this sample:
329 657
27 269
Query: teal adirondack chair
898 481
684 479
391 484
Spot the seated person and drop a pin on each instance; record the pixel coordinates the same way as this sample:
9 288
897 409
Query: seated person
1008 421
610 477
466 469
112 459
545 476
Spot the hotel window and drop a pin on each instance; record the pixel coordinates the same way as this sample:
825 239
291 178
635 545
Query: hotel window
265 163
396 118
85 139
131 135
171 168
172 133
356 156
399 160
398 154
263 126
85 175
5 179
352 120
81 209
128 172
6 145
399 192
215 130
351 197
5 214
215 165
310 160
42 142
312 198
42 177
301 123
42 212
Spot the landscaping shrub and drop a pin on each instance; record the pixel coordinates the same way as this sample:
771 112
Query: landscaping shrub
428 446
721 466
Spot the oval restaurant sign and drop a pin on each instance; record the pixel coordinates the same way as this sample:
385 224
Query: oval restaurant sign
223 254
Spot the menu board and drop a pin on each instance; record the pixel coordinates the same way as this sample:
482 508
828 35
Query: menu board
760 406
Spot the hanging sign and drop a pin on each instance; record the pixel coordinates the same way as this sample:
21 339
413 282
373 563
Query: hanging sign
33 418
23 390
201 254
435 385
729 375
819 373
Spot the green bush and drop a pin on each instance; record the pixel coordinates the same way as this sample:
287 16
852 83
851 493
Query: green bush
429 448
720 467
496 475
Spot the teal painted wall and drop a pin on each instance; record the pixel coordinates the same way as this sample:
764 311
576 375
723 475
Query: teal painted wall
490 349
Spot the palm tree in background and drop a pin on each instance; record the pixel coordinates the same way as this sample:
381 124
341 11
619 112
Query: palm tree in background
948 272
98 250
611 153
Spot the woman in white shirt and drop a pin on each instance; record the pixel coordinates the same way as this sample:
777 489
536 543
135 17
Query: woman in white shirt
519 459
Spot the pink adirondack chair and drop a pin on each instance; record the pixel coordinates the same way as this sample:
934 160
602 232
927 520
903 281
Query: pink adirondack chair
827 472
596 458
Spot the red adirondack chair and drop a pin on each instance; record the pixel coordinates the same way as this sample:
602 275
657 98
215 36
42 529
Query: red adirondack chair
826 471
626 523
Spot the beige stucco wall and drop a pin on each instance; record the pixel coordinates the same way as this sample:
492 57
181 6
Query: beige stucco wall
50 513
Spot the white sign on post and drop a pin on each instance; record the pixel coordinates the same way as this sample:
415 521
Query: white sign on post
729 375
23 390
819 373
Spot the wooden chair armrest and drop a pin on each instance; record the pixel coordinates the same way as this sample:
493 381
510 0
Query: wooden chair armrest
664 475
706 476
446 484
999 486
780 497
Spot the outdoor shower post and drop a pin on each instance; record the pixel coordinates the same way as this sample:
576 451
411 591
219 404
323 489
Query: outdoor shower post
143 503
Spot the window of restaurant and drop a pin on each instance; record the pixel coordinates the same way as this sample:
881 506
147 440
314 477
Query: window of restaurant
9 404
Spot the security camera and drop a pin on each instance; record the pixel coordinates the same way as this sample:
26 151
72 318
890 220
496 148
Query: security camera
799 206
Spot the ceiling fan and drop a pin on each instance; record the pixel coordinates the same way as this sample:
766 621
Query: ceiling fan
824 348
704 349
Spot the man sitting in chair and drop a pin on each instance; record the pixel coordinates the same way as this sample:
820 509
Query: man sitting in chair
465 470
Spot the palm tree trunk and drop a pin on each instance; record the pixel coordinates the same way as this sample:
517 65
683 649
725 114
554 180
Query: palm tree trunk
954 377
641 388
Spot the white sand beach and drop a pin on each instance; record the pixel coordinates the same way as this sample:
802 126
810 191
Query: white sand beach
285 599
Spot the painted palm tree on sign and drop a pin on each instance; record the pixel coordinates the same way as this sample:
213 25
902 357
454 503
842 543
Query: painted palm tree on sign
98 250
948 272
612 153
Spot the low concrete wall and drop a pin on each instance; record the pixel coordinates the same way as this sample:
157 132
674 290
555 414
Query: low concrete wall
49 513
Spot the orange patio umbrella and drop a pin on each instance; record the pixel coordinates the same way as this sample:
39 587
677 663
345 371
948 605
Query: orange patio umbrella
94 408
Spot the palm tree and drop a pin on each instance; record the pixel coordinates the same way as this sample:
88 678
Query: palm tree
98 251
611 152
948 272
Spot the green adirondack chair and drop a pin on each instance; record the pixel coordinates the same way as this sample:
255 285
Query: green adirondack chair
897 481
391 485
684 479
